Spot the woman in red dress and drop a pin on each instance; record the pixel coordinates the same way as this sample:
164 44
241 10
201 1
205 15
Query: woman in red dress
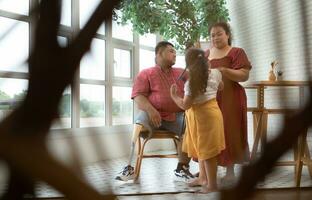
234 66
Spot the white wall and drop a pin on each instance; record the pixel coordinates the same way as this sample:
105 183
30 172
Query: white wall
85 146
273 30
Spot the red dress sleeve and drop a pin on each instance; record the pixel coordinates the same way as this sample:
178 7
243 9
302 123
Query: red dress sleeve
141 85
240 59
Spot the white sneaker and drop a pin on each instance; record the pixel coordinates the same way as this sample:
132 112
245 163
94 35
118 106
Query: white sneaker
184 175
126 174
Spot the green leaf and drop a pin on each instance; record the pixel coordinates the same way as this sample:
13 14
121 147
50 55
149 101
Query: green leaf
182 21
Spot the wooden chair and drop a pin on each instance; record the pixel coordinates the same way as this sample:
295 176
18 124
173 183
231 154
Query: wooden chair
142 139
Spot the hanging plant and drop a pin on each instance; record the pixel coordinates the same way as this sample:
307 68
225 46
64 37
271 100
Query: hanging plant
182 21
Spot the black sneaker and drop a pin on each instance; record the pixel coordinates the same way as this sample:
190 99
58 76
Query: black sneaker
126 174
183 175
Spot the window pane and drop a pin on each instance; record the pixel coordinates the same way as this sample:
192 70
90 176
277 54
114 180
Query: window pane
86 8
122 112
14 46
12 91
66 12
62 41
65 111
93 63
122 63
16 6
147 59
122 32
92 105
148 40
180 62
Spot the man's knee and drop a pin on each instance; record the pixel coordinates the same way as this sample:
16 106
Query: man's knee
142 118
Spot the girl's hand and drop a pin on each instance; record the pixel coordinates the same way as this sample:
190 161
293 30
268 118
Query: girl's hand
221 86
173 90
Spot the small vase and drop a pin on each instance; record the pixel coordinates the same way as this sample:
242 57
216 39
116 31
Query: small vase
279 78
272 76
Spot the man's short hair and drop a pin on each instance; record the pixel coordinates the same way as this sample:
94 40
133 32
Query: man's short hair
161 46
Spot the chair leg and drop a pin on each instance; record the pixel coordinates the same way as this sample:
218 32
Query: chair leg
296 153
135 139
176 141
139 159
175 144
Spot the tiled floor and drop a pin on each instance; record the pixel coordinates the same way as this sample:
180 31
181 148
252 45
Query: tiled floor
157 178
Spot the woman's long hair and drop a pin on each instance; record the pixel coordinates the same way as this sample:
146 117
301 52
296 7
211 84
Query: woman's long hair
197 64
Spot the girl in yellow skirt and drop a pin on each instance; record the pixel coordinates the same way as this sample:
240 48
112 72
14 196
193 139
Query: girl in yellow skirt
204 136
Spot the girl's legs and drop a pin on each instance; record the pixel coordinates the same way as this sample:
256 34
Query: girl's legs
202 179
210 166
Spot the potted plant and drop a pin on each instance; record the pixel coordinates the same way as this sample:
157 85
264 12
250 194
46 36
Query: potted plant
279 74
183 21
272 76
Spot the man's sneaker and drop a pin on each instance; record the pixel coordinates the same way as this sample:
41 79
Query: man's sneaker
183 175
126 174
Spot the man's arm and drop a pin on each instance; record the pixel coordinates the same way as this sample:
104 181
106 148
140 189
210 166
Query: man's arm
144 104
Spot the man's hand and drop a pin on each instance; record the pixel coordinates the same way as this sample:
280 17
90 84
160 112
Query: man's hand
154 117
144 104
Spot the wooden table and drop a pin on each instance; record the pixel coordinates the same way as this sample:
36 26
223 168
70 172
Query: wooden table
260 120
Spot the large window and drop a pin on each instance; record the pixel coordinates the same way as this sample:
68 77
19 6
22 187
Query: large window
147 58
66 12
122 110
86 7
15 6
92 105
122 32
147 51
12 92
180 61
101 93
148 40
65 111
93 63
122 63
14 46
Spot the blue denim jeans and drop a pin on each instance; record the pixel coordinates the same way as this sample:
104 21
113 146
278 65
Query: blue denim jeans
177 126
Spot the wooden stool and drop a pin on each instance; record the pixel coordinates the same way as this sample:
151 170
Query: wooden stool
143 138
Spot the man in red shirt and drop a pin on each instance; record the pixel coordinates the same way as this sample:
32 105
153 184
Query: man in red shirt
151 92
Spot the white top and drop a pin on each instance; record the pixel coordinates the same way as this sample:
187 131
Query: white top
214 79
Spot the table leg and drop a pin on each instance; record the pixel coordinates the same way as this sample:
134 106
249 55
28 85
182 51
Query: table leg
257 135
264 126
299 162
308 158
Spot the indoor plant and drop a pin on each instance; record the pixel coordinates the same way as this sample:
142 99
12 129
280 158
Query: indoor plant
183 21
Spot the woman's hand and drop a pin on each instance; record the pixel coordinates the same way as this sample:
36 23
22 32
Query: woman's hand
221 69
237 75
